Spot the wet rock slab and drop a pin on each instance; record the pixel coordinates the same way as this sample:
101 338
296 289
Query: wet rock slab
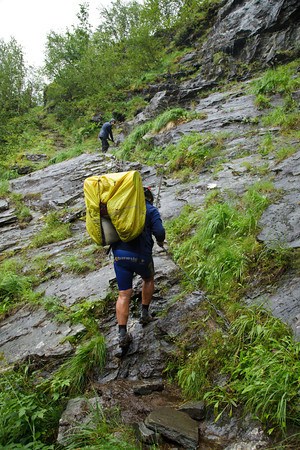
281 221
32 333
174 425
71 288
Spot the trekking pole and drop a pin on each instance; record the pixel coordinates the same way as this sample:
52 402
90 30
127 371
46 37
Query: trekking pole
159 189
217 311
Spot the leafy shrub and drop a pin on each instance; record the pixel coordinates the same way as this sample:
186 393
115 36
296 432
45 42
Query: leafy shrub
25 414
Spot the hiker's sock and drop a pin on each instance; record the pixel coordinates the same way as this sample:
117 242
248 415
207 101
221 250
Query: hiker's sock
122 330
145 309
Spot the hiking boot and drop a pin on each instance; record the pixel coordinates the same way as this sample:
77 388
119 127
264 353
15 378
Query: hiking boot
145 318
125 341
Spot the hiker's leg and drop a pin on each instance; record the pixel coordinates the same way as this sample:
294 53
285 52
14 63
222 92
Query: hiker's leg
105 145
122 306
147 291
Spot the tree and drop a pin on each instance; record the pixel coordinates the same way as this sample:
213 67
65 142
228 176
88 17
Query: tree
12 79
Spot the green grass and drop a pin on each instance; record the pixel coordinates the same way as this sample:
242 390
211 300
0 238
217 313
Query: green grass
281 80
72 377
136 143
15 287
53 231
221 247
218 252
78 265
258 360
288 121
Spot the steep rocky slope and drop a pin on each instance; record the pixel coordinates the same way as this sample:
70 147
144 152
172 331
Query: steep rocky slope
137 384
33 335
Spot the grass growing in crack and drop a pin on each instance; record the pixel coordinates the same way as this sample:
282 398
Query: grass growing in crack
288 121
284 152
73 376
281 80
78 265
136 143
53 231
262 371
21 210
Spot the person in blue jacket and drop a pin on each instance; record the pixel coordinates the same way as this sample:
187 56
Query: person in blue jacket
105 134
135 257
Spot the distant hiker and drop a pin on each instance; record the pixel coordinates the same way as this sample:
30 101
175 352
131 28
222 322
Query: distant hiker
105 134
136 257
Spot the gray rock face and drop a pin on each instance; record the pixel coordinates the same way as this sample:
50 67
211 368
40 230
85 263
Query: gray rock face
32 334
281 221
174 425
79 412
248 31
71 289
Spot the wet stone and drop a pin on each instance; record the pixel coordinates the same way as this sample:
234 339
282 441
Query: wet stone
174 425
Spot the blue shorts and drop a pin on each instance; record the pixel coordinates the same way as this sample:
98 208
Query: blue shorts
126 266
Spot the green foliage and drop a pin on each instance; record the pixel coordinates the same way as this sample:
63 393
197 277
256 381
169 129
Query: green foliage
12 76
78 265
218 253
73 375
53 231
15 287
194 19
25 414
280 80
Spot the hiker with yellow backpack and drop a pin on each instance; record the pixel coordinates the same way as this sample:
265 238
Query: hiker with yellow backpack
135 257
120 214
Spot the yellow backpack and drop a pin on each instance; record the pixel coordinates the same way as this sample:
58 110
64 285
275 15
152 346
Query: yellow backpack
115 206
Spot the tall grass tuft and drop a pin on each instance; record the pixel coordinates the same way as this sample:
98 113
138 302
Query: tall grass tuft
259 364
74 374
15 287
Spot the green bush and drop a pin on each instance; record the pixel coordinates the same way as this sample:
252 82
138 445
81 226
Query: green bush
26 415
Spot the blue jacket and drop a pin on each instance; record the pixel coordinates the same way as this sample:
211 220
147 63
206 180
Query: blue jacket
143 244
106 131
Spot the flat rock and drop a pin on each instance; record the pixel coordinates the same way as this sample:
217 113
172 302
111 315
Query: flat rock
33 333
174 425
